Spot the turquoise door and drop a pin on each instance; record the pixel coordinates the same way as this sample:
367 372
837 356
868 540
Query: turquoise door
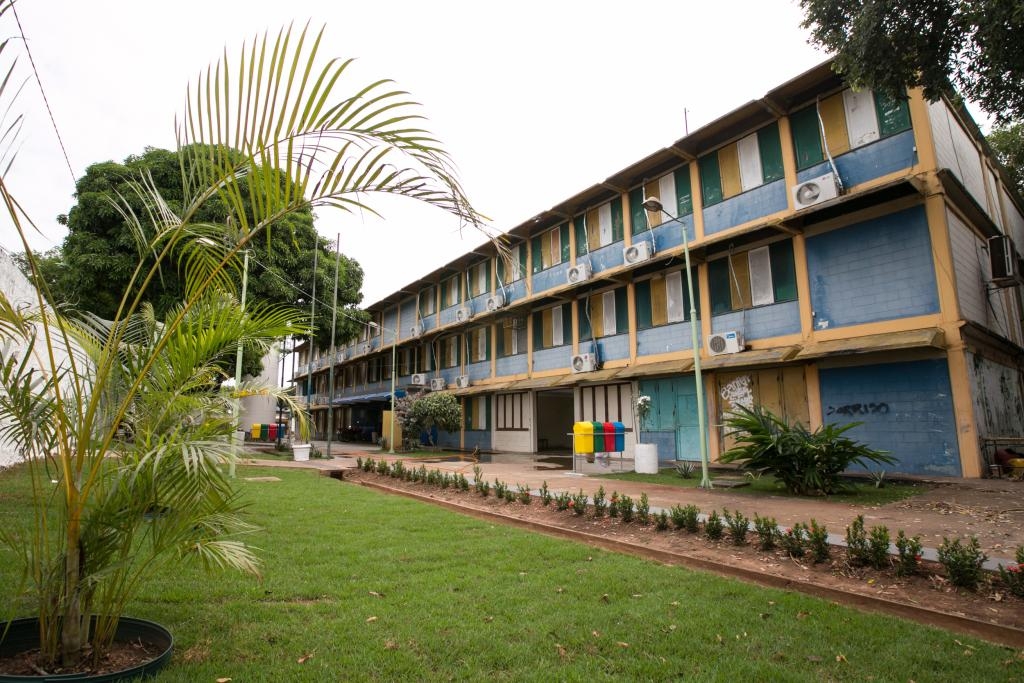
673 419
686 424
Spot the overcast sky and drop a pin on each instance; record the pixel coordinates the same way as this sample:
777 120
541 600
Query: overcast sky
535 101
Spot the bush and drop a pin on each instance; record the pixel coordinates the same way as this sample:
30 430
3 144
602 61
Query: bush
562 499
625 508
579 503
767 531
807 463
908 554
613 506
600 503
523 493
962 562
500 488
643 510
661 521
794 540
713 526
857 543
545 494
1013 574
878 547
817 539
738 526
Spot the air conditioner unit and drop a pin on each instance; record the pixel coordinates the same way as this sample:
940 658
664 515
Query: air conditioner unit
438 384
418 379
462 382
416 330
495 301
578 273
584 362
1004 261
815 191
364 348
463 314
637 253
725 342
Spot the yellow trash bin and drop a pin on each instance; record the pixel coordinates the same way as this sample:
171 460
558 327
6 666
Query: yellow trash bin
583 437
255 433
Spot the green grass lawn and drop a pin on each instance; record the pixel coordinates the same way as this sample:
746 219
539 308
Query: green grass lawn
863 493
363 586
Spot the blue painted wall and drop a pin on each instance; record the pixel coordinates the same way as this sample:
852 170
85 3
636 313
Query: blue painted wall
515 290
752 204
608 256
429 321
669 234
511 365
906 408
550 278
615 347
550 359
876 270
761 322
390 323
478 439
664 339
477 371
870 161
408 317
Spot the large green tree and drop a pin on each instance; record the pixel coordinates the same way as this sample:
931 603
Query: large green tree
95 264
888 45
1008 143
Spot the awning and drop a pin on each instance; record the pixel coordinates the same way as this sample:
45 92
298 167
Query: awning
533 383
758 357
596 376
481 388
872 343
367 398
665 367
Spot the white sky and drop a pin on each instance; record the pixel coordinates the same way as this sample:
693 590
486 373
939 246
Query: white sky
535 101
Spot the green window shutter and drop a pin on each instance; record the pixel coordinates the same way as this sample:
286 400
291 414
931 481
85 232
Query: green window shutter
806 137
637 215
710 179
460 286
500 268
566 324
487 343
581 236
771 152
522 260
535 254
684 193
783 270
458 350
621 311
686 294
893 114
501 344
444 293
563 235
718 279
488 280
642 292
487 412
467 413
585 331
618 229
538 330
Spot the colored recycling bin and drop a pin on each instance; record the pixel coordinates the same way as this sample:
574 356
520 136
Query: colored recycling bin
255 433
272 432
264 432
583 437
608 430
598 436
620 436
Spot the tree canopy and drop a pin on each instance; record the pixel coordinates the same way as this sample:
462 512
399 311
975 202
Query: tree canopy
1008 143
888 45
93 267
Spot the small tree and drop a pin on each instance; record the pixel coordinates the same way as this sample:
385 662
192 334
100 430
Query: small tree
422 413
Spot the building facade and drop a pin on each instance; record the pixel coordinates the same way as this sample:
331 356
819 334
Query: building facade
852 260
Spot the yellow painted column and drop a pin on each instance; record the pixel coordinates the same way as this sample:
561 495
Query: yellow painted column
803 287
921 123
814 411
788 157
704 311
631 314
627 221
942 257
963 411
698 202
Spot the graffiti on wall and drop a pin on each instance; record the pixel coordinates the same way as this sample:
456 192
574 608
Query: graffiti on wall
858 409
739 392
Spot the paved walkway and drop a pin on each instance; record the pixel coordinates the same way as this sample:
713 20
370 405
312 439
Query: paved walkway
991 509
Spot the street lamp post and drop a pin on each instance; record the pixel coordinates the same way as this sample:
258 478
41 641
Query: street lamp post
394 373
235 441
653 205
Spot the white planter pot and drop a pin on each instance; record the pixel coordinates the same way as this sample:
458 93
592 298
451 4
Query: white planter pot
300 452
645 460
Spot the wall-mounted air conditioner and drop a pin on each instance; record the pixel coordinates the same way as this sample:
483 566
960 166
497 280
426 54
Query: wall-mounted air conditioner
495 301
438 384
725 342
578 273
584 362
1004 261
418 380
416 330
815 191
463 314
637 253
462 382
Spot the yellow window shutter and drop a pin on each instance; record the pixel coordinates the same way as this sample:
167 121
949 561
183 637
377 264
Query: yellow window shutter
833 118
729 166
739 281
659 302
597 315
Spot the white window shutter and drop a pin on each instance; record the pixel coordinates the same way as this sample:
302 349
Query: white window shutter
861 121
761 291
749 153
556 326
604 214
608 319
674 297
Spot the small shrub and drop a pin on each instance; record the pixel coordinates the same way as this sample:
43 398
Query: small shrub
661 521
878 547
857 549
794 540
878 478
545 494
613 506
359 462
685 469
368 465
767 531
510 495
462 482
713 526
643 510
908 554
382 467
478 475
446 480
421 473
625 508
523 493
562 500
579 503
398 470
500 488
1013 574
483 488
738 525
962 562
817 541
600 503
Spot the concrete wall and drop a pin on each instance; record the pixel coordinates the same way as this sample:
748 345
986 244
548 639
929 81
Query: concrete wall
996 393
665 338
760 201
871 161
761 322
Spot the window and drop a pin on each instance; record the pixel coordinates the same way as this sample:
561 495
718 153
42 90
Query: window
479 345
375 369
512 337
450 351
361 374
427 301
517 257
747 163
550 248
757 277
451 291
425 359
664 299
604 314
386 367
850 120
552 327
599 227
606 403
508 412
672 190
476 411
479 278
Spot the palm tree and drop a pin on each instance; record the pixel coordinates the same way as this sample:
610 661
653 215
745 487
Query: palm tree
130 424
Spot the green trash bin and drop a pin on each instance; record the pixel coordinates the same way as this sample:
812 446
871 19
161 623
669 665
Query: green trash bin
264 432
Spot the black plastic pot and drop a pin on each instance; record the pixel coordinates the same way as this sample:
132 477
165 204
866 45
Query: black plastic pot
23 634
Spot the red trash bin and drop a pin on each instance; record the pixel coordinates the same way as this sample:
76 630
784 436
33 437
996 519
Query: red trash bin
272 435
609 437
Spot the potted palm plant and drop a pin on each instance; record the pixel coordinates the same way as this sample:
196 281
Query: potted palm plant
121 424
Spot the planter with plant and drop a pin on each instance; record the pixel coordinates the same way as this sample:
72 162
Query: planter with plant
645 459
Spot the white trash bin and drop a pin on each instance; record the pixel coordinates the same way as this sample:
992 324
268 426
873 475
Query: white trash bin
300 452
645 460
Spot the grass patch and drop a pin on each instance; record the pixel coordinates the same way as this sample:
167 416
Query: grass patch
359 585
863 493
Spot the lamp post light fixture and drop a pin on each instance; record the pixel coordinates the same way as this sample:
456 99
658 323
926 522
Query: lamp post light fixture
654 206
394 374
